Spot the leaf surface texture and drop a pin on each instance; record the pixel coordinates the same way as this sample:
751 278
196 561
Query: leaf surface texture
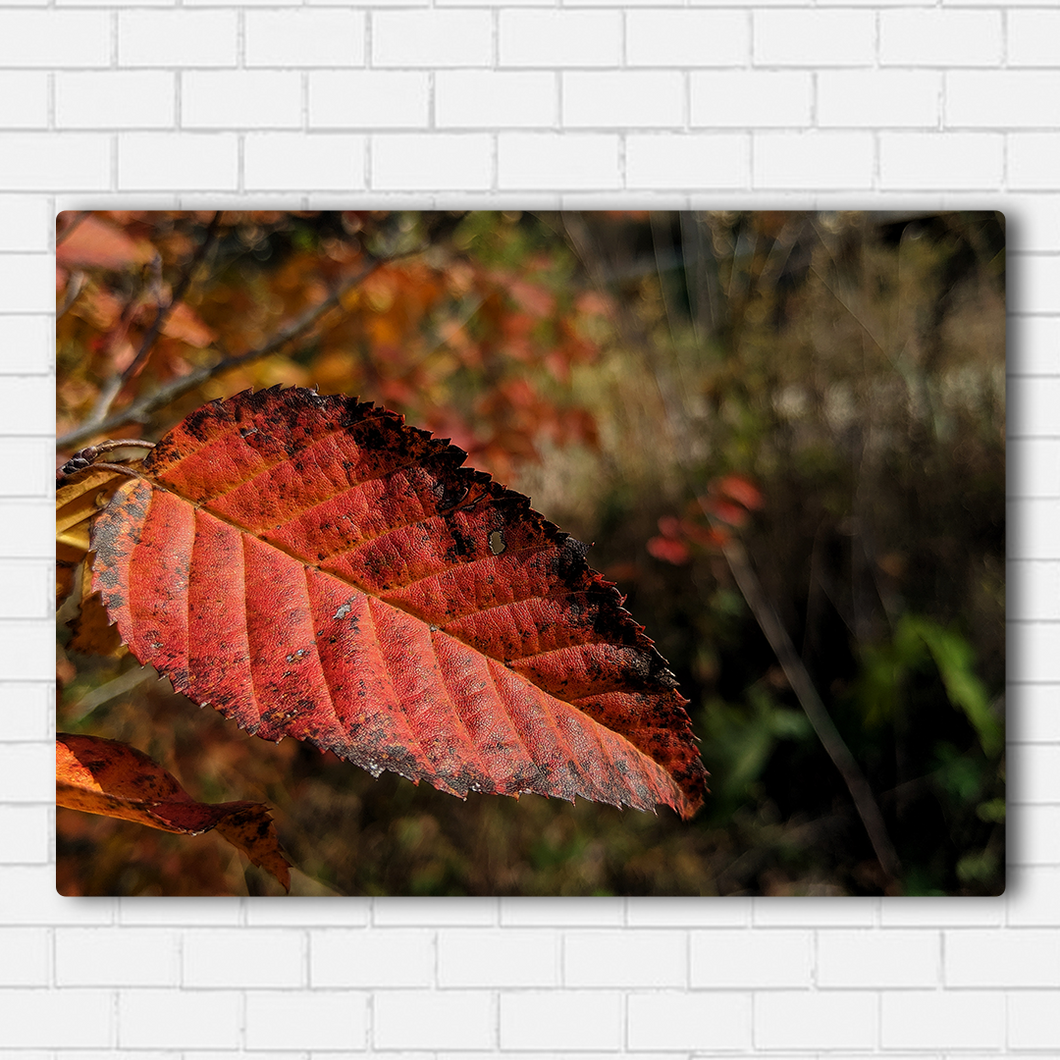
313 567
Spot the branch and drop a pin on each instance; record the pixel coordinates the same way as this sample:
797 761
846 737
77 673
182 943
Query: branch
140 411
802 684
112 388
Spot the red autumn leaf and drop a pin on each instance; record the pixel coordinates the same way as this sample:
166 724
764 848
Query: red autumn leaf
669 549
733 514
741 490
312 567
112 779
93 242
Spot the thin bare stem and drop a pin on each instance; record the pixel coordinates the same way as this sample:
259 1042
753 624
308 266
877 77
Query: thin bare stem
802 685
112 388
140 411
74 287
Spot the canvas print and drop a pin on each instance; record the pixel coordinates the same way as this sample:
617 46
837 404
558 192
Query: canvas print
526 553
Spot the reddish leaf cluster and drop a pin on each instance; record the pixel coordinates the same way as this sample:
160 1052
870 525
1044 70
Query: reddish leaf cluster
708 521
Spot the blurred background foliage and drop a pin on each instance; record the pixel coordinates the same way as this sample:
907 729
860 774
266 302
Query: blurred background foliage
821 394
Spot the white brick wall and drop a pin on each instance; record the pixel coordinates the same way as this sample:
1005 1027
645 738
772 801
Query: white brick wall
773 103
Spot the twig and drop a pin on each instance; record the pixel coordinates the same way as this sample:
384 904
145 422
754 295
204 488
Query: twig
113 386
140 411
811 703
74 288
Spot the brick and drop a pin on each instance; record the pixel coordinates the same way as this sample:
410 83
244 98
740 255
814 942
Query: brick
55 1018
1032 283
1030 398
25 224
508 957
115 100
813 912
24 526
696 160
310 912
741 98
55 38
1013 99
28 709
929 161
626 958
26 772
244 957
630 99
814 38
26 959
539 161
1034 654
559 38
160 161
880 959
422 1019
25 589
26 655
433 912
562 912
934 1019
41 161
305 37
687 37
690 1021
495 99
280 161
687 912
26 841
183 37
813 160
432 161
1037 887
219 99
1032 1020
202 911
435 38
940 37
1032 164
1034 715
1032 36
378 957
582 1019
1032 769
802 1019
28 894
23 99
751 958
113 956
1034 593
1017 957
1032 342
179 1020
323 1019
878 98
1042 210
369 99
24 283
1034 833
28 341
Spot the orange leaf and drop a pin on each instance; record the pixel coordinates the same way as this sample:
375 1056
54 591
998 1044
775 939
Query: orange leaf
112 779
